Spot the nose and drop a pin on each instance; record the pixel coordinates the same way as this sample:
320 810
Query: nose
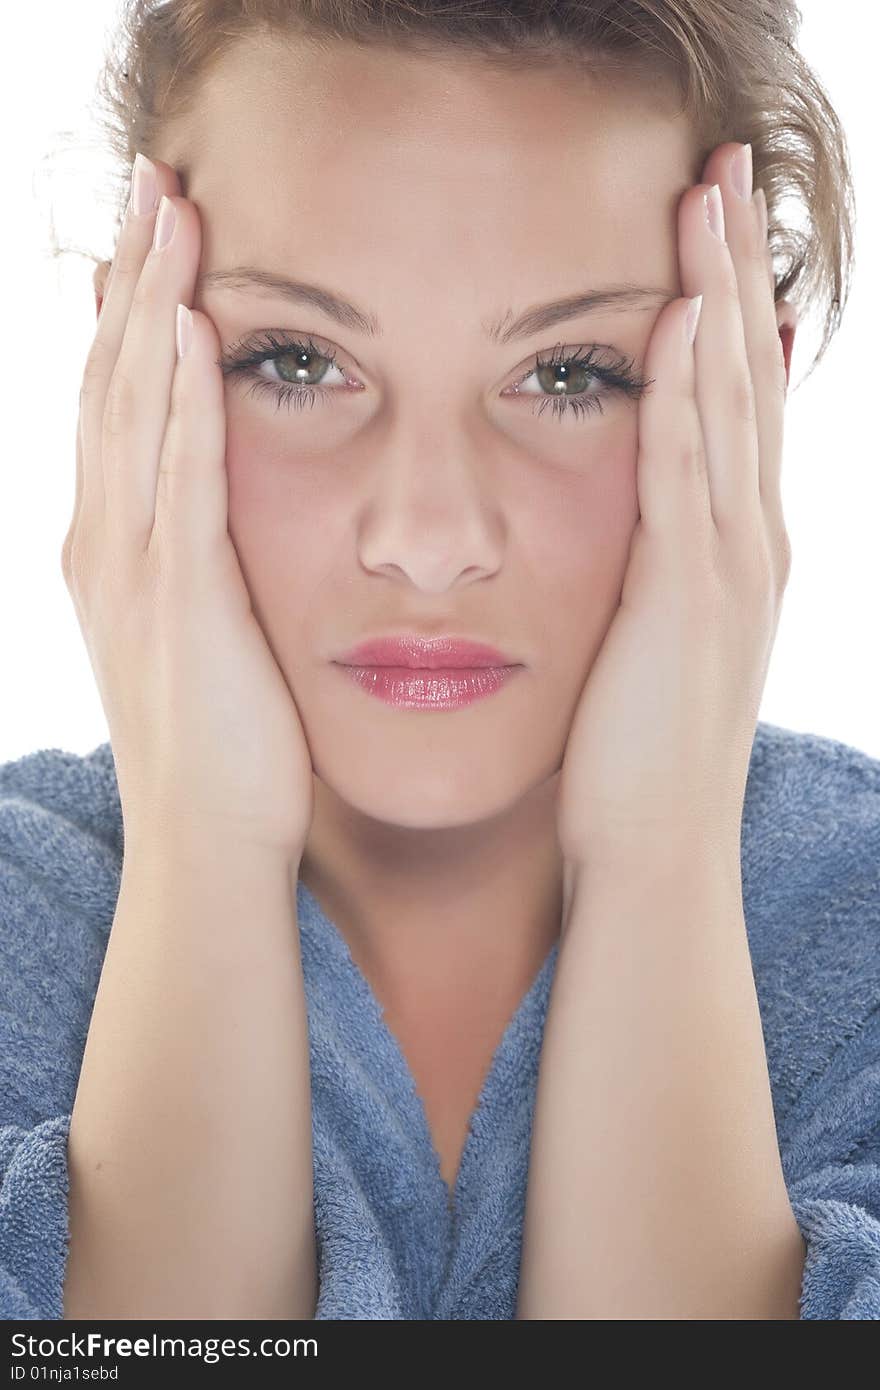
433 514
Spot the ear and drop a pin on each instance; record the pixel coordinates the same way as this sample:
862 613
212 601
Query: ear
786 322
99 280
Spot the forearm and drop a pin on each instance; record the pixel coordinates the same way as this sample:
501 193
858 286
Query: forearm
655 1184
190 1152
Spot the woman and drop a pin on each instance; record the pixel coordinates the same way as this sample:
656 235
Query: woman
514 295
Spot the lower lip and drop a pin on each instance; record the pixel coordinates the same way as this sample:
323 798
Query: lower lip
444 688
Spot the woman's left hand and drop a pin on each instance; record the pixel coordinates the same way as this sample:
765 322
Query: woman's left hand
661 740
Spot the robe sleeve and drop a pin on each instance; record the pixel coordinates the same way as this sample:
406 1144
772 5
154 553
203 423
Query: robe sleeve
833 1181
56 904
838 1212
33 1219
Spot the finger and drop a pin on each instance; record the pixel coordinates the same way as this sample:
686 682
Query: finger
746 241
78 489
139 393
759 198
725 395
192 487
672 478
135 237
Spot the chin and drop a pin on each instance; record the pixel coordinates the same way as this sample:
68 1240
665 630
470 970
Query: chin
413 797
419 800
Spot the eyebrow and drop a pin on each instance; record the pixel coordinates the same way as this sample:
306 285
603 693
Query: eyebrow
535 319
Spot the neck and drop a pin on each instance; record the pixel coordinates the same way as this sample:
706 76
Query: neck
416 905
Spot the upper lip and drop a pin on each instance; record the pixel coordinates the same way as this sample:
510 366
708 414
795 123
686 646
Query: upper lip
416 652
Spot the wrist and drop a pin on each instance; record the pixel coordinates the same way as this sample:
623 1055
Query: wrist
636 862
174 840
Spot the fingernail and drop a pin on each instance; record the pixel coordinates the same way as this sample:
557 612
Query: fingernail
759 198
144 186
715 210
164 223
742 172
184 329
692 318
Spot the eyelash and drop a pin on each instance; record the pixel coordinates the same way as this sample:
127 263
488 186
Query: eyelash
244 356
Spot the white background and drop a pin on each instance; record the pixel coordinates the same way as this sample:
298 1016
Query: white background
824 674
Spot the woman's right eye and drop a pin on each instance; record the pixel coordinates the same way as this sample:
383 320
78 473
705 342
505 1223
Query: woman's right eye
298 365
301 370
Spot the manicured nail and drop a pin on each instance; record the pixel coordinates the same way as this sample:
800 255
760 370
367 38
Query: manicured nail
692 318
759 198
184 329
164 223
715 210
144 186
742 172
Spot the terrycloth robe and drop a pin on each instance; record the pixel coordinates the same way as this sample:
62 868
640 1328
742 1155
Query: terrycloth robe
390 1244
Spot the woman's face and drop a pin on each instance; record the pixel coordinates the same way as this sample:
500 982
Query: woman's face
443 200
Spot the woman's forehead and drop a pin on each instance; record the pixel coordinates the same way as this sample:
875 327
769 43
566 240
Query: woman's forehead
580 187
291 116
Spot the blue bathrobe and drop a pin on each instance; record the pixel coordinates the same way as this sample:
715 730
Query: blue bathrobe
389 1243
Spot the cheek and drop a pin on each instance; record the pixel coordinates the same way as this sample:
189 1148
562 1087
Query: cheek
259 468
275 492
583 528
582 535
272 507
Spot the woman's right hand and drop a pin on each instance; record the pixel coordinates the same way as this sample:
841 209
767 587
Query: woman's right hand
205 734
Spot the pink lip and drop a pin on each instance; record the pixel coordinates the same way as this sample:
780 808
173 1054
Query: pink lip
423 654
448 687
415 672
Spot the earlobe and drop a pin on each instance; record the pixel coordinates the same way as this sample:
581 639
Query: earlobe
786 323
99 281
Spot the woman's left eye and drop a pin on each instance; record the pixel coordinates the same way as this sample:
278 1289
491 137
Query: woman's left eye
301 366
579 370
